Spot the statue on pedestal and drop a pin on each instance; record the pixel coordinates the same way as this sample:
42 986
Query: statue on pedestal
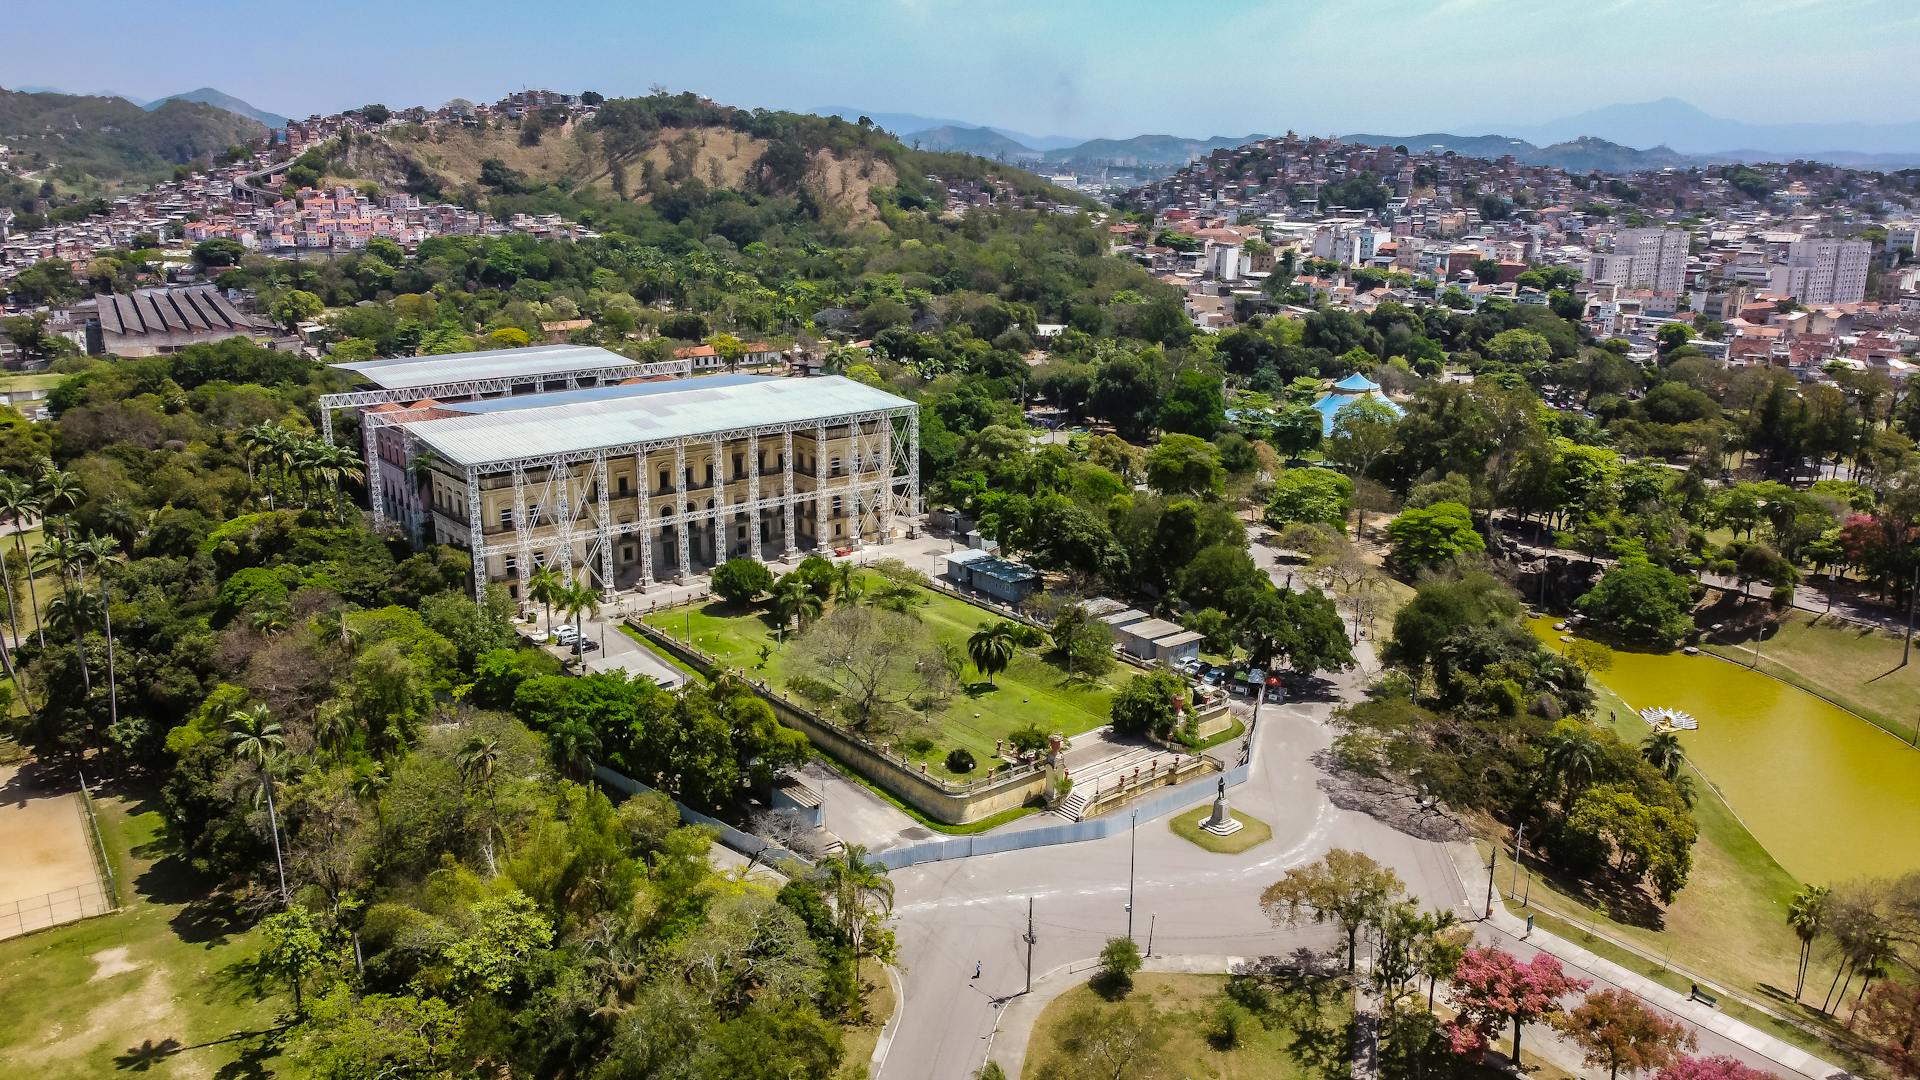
1221 822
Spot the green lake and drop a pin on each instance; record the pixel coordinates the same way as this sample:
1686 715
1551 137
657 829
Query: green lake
1831 796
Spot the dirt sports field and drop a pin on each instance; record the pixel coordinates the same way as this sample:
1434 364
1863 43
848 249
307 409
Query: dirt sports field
47 867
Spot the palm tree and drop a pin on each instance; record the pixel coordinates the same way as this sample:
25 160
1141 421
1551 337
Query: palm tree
848 588
72 606
1662 751
573 744
19 501
577 599
544 587
102 552
59 491
1571 758
794 602
991 649
478 758
1807 915
855 884
255 736
368 785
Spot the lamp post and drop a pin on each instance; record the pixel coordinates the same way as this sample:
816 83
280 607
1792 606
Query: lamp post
1133 832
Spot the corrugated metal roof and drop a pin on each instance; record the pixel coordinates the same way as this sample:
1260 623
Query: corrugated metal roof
413 372
608 392
675 410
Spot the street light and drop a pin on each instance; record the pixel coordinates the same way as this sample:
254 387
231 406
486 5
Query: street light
1133 832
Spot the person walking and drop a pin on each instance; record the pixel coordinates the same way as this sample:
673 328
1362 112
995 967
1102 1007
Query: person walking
976 969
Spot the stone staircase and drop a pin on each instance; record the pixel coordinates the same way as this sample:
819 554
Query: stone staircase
1109 772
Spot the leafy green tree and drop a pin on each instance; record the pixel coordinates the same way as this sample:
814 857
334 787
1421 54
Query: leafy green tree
1433 536
1119 959
1310 496
508 933
1519 349
739 581
1608 824
1194 406
1642 602
862 898
1184 465
1346 888
1149 704
295 306
1296 429
293 948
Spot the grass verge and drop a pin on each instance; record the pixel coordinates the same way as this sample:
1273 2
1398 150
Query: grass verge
860 1039
1857 668
1305 1033
1253 831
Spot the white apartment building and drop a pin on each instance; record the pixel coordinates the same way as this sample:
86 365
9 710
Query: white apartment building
1654 259
1824 271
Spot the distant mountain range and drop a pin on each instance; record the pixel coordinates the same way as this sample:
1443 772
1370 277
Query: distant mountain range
935 133
206 95
1688 129
1579 155
113 140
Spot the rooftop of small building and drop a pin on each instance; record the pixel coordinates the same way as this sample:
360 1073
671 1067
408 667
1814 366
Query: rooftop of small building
536 425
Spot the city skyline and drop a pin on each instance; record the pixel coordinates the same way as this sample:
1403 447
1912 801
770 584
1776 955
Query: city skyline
1121 69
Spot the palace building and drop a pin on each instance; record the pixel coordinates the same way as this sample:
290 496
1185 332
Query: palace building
593 464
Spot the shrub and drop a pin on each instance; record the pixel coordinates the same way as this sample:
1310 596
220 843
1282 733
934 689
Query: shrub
1229 1021
740 580
1029 739
1782 596
960 760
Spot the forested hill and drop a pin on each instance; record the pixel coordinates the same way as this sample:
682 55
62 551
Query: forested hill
679 155
113 141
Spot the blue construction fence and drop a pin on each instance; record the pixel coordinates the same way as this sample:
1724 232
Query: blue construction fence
746 843
1072 832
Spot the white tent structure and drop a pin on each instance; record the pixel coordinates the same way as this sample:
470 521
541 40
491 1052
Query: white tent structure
1665 719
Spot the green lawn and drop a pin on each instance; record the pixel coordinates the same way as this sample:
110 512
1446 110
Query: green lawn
166 986
1252 832
1304 1034
1856 667
1032 691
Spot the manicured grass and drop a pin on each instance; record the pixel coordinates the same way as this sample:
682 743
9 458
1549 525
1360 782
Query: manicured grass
1032 691
1252 832
166 986
1856 667
1304 1035
666 657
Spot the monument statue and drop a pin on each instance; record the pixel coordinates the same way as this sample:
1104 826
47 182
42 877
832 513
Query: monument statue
1222 822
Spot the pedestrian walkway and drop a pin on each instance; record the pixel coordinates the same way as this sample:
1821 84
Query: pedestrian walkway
1785 1055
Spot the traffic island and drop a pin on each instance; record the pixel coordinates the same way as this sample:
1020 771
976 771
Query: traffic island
1251 833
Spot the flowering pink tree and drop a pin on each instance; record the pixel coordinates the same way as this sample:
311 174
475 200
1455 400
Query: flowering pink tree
1711 1068
1492 989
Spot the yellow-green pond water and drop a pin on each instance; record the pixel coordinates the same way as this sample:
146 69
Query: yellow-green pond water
1831 796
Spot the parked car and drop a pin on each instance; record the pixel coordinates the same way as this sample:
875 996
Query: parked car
564 635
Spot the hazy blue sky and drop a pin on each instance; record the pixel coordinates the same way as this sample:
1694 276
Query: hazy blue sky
1114 67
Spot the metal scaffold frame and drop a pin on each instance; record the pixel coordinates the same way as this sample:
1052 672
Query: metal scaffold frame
563 493
478 388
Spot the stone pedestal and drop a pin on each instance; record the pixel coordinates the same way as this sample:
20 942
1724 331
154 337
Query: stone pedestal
1221 822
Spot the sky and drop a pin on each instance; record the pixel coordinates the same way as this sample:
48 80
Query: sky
1074 67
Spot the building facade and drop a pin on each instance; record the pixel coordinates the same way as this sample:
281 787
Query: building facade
629 484
1824 271
1654 259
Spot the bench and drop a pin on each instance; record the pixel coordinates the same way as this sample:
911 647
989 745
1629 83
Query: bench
1704 997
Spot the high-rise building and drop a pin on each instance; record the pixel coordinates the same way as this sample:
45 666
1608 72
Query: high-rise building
1824 271
1654 259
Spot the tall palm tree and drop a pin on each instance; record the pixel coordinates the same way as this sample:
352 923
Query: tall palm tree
255 736
1807 915
1662 750
101 552
855 885
478 759
16 500
543 587
337 464
848 588
575 600
72 606
19 501
991 649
